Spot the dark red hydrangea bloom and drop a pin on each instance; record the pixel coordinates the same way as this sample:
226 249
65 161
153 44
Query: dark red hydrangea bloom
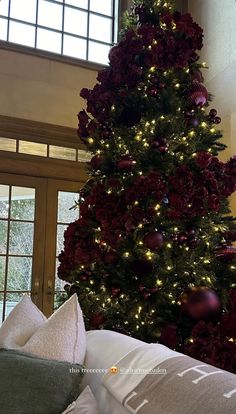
169 336
211 346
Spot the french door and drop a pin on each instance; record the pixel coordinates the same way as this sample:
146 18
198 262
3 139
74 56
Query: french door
34 213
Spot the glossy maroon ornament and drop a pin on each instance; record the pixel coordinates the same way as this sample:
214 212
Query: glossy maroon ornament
196 76
142 267
153 91
197 95
226 254
194 122
153 240
217 120
146 295
96 162
115 292
201 303
111 257
213 113
163 149
182 238
96 320
125 163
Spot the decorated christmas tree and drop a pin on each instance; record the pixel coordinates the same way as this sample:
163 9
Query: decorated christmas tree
152 253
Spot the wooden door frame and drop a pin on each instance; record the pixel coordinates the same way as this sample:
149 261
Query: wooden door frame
39 228
53 187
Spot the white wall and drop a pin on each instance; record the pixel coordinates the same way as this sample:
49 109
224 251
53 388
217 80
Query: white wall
41 89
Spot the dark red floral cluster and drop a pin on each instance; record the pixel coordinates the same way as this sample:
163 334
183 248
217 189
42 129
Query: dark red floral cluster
214 344
195 191
79 248
130 59
114 213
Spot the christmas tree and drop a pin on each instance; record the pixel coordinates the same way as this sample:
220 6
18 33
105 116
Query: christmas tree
151 255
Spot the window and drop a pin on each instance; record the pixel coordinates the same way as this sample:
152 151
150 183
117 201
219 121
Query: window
82 29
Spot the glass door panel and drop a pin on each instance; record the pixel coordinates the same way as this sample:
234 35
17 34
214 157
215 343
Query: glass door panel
18 234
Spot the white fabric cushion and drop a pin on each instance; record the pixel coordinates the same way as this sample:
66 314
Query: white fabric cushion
21 324
62 336
85 404
104 349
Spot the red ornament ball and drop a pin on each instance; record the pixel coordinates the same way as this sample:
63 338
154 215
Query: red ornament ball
217 120
125 163
213 113
153 240
226 254
197 95
153 91
111 257
115 292
201 303
96 162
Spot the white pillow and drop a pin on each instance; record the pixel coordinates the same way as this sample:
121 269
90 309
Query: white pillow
62 336
104 349
21 324
85 404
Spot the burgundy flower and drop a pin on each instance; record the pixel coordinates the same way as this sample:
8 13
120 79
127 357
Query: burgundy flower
228 324
203 159
169 336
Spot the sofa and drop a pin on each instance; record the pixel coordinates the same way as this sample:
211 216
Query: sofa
188 386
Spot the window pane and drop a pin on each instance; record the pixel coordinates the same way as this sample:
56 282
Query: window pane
60 237
98 53
100 28
7 144
4 7
75 47
59 284
84 156
3 236
24 10
65 202
104 6
50 14
59 299
19 273
22 34
12 300
48 40
62 153
2 274
21 238
83 4
3 29
75 21
23 203
4 201
33 148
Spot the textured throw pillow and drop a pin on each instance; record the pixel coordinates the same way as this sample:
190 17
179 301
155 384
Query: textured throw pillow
30 384
21 324
62 336
85 404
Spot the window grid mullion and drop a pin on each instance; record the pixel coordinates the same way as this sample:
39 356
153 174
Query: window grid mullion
8 23
87 41
36 26
63 25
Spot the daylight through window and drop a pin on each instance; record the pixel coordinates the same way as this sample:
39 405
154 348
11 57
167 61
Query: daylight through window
83 29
